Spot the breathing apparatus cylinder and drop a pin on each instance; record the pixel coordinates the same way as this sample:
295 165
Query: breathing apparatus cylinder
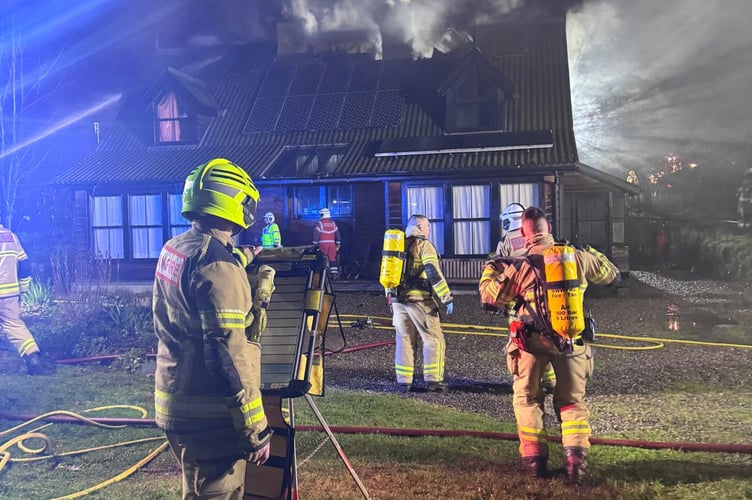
564 297
392 259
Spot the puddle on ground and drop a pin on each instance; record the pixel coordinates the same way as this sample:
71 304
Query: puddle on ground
690 318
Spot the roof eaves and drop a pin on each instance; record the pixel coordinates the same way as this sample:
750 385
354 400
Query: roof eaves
607 178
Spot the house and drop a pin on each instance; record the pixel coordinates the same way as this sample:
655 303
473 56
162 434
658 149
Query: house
455 137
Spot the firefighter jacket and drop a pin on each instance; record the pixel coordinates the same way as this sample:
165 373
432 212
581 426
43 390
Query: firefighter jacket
500 286
15 269
270 236
423 276
512 244
208 372
326 232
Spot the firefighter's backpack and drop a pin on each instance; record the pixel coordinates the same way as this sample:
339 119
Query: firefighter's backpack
392 259
559 298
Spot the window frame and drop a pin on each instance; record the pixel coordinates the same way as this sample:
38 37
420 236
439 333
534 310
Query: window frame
448 221
127 226
188 123
325 200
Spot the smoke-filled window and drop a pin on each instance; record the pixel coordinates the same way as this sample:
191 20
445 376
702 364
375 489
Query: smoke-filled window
475 104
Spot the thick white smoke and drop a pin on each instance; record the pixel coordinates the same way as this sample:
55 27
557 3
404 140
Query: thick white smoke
424 24
649 78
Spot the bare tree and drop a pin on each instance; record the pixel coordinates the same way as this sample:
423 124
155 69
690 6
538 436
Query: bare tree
21 151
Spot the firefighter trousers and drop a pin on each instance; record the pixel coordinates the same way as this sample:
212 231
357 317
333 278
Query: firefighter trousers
415 321
213 467
572 371
15 328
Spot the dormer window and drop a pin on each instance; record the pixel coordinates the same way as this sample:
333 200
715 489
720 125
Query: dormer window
174 124
476 104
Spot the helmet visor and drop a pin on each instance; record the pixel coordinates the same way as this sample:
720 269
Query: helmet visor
249 211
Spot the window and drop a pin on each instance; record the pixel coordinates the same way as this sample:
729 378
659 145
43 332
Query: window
178 224
107 226
471 211
310 199
429 201
173 125
525 194
145 212
476 104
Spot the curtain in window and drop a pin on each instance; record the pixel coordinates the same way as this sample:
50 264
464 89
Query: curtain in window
146 226
429 201
525 194
178 224
471 237
107 227
108 243
167 114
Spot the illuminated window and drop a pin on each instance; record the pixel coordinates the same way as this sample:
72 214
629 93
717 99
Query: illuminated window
310 199
471 211
107 226
429 201
178 224
173 123
145 217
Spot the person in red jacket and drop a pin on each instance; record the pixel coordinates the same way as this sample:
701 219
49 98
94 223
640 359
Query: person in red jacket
326 236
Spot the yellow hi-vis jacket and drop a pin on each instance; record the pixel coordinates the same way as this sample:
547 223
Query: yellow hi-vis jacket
208 373
500 286
15 270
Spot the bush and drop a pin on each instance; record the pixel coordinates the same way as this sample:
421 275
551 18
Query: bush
91 324
39 296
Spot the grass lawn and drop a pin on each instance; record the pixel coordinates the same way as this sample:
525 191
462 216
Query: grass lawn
390 467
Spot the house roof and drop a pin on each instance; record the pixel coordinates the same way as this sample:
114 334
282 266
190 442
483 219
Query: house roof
361 103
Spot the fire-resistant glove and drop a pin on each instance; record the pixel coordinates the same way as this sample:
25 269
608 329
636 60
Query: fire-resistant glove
261 298
450 308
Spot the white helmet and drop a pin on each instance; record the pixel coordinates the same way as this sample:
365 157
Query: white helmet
511 217
268 217
324 213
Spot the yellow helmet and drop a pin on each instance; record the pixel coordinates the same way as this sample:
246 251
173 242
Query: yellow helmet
222 189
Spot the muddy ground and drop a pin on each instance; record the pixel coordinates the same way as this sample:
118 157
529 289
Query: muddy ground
661 389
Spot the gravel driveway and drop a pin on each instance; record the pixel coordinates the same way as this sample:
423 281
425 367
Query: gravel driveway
623 379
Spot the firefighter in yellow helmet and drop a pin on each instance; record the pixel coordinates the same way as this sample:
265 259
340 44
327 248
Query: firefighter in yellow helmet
207 384
534 345
416 314
512 244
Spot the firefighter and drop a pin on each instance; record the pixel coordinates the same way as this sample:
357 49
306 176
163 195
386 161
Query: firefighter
512 244
532 348
207 394
270 236
416 313
326 236
15 278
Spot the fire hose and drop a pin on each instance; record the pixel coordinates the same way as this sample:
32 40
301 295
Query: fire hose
366 321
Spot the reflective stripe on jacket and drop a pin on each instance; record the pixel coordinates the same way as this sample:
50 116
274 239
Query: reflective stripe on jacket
500 286
208 373
270 236
15 272
326 232
422 253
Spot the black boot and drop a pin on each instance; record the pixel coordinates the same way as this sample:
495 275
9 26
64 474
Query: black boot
537 466
35 365
577 471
